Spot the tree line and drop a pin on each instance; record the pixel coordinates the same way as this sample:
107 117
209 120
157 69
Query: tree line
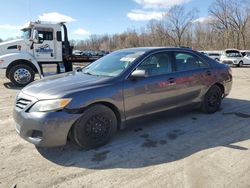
227 26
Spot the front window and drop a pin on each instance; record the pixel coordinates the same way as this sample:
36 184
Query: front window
113 64
26 34
45 35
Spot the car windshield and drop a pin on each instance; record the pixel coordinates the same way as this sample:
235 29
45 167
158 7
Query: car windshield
232 53
26 33
113 64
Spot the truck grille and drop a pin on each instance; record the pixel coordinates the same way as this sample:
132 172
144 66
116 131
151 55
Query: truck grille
22 103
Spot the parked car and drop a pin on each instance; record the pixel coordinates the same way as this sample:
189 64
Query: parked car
215 56
89 105
232 57
76 52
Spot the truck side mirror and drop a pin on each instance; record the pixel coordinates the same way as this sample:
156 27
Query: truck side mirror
35 37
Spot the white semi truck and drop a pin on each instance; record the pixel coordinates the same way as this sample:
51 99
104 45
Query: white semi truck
42 43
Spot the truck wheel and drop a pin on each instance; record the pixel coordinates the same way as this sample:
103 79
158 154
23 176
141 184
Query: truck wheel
95 128
212 100
21 75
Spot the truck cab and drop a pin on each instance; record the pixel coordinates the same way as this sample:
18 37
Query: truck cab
45 42
42 43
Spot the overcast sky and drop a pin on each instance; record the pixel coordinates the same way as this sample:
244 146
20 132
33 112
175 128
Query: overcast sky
86 17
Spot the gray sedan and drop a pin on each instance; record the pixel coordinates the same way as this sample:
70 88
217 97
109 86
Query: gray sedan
89 105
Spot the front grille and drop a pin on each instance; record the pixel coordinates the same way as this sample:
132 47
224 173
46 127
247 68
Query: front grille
22 103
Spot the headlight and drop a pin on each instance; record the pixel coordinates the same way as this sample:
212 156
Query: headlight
49 105
235 61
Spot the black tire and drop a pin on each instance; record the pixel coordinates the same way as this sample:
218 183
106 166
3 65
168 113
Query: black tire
212 100
96 127
21 70
240 64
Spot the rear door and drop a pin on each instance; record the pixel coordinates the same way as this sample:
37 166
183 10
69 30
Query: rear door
193 76
154 93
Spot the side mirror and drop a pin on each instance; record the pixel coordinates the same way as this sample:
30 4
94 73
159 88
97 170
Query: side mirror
35 36
138 74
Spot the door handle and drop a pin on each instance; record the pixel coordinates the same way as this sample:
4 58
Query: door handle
171 81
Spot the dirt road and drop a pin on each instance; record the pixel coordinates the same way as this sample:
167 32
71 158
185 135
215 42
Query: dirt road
190 149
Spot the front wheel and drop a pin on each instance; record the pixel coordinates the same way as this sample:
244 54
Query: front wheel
212 100
21 75
95 128
240 64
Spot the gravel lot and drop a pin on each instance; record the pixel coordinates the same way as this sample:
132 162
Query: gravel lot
187 150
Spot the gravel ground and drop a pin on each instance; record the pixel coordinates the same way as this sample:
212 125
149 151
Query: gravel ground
188 150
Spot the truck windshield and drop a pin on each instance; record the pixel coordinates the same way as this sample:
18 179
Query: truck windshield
113 64
26 33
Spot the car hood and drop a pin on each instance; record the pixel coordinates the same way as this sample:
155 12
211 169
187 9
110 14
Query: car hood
61 85
12 46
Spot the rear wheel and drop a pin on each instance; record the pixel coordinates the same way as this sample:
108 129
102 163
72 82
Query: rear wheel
21 75
95 128
212 100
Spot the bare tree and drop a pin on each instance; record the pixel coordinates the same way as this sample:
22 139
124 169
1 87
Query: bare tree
229 26
238 17
219 11
177 22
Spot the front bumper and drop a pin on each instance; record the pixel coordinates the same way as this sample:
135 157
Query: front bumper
48 129
229 62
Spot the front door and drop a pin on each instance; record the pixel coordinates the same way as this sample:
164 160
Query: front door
44 50
246 58
155 92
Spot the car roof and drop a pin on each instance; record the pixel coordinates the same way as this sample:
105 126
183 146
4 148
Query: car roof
151 49
232 50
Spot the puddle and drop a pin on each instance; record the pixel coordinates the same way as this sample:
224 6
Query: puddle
144 135
175 133
239 114
163 142
149 143
100 156
138 129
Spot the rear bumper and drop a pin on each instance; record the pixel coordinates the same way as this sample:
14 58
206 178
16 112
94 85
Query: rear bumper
44 129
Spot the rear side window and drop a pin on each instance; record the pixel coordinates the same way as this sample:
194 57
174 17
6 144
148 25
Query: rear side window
59 36
186 61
